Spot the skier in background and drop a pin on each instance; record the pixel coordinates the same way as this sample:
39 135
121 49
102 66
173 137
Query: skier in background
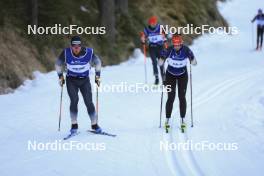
176 74
155 39
259 18
78 61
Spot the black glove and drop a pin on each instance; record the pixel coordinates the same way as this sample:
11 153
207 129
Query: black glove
161 61
61 80
164 82
97 80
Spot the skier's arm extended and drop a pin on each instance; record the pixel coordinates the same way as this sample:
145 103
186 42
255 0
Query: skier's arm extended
191 57
144 36
254 19
97 64
60 64
163 56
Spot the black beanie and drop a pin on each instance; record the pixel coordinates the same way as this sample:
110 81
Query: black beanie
76 40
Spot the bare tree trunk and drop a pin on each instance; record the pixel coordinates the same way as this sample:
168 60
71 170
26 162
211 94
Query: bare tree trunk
34 12
122 6
107 17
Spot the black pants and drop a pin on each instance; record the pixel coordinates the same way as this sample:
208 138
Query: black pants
182 82
73 87
260 31
154 52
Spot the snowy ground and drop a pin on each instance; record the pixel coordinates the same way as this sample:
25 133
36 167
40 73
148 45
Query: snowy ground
228 103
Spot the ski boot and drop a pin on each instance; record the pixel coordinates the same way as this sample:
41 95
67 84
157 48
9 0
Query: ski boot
74 129
96 128
167 126
156 81
183 125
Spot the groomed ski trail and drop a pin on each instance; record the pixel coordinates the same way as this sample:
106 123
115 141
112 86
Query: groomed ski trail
183 162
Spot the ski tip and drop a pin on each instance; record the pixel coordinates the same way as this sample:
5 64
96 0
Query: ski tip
65 138
70 136
102 133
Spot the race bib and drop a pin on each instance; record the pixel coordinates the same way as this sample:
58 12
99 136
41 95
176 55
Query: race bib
177 63
155 38
78 68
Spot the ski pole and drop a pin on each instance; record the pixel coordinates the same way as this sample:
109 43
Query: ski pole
253 36
191 94
145 62
161 99
60 107
143 38
97 104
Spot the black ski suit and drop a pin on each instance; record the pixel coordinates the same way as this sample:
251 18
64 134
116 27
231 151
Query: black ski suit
79 83
260 29
177 74
156 40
